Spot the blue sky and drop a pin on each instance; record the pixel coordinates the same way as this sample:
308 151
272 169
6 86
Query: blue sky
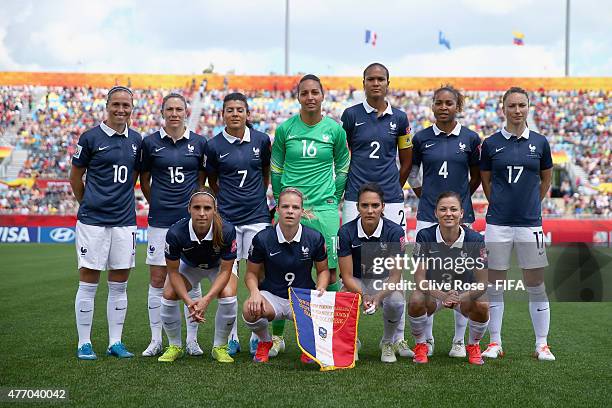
327 37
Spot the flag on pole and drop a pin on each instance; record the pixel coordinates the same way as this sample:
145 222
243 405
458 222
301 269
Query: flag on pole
326 326
370 37
442 40
518 38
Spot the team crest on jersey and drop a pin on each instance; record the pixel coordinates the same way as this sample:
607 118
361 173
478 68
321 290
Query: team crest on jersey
462 147
532 148
77 152
325 138
463 254
190 148
134 149
532 151
392 126
256 152
383 246
305 251
323 332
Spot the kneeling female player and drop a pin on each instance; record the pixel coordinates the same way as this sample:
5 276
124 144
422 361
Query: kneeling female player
283 255
451 272
202 246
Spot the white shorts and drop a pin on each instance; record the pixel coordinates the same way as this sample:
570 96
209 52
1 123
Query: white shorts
426 224
156 242
281 306
528 241
195 275
393 211
105 248
244 237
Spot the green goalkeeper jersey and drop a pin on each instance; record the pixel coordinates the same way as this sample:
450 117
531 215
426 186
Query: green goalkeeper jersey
314 159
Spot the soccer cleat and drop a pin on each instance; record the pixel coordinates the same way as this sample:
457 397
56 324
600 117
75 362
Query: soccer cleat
402 348
233 347
305 359
474 356
193 348
220 354
493 350
388 354
253 346
155 348
171 354
457 350
542 353
420 353
278 345
263 351
430 347
85 352
118 350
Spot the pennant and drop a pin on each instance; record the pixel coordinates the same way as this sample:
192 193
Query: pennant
326 326
442 40
518 38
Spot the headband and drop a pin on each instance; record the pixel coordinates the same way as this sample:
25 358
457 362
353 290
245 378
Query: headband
202 192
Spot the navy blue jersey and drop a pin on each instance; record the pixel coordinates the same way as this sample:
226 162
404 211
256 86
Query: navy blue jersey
515 165
182 243
387 241
373 142
446 161
174 169
109 184
287 263
238 166
448 264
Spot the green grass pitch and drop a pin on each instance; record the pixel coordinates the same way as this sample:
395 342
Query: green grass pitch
38 340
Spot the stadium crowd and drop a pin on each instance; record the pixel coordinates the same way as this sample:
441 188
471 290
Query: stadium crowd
577 122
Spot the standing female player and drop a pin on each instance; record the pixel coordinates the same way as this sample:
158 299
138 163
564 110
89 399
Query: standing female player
359 242
172 167
106 228
517 162
308 150
376 134
283 255
465 276
449 154
202 246
238 168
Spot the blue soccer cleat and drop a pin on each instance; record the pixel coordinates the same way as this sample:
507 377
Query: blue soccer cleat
118 350
233 347
85 352
253 346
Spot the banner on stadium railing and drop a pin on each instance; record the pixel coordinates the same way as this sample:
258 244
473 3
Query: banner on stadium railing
555 230
50 235
326 326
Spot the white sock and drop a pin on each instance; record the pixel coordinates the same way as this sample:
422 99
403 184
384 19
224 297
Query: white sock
260 329
477 330
460 324
172 321
539 309
224 319
234 331
418 327
393 307
116 309
496 313
429 327
401 328
84 310
192 327
154 305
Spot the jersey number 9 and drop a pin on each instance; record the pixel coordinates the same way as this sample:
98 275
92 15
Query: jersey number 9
289 277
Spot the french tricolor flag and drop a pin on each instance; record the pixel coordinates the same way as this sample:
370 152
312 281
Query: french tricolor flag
326 326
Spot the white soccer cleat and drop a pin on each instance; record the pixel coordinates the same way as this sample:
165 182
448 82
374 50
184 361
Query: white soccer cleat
493 350
193 348
388 354
402 348
155 348
430 347
278 346
542 353
457 350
